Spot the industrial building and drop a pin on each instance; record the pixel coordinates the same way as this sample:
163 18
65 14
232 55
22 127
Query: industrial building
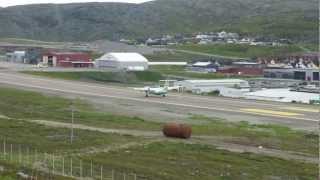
123 61
305 74
206 86
16 56
66 59
243 68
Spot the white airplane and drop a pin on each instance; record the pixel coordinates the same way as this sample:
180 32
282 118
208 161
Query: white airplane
159 91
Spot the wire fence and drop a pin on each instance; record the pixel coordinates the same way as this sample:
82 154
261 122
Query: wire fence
33 164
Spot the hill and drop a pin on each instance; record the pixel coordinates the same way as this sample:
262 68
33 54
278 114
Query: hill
294 19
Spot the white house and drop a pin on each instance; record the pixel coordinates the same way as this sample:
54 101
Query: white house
123 61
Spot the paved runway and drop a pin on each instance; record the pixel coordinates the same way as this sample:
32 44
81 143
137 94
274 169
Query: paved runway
175 105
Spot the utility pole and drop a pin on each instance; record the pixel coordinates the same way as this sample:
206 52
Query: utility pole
72 121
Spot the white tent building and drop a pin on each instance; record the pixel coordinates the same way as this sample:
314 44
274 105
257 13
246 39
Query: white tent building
123 61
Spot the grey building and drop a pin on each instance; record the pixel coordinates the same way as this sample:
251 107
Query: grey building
305 74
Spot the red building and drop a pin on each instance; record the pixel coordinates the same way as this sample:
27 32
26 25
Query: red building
243 68
67 59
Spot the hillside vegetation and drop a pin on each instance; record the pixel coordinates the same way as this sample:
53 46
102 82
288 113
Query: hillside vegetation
294 19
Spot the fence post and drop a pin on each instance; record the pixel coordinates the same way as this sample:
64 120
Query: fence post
112 174
4 149
101 173
80 168
62 166
124 176
35 155
71 166
27 161
135 176
91 169
11 151
20 159
53 167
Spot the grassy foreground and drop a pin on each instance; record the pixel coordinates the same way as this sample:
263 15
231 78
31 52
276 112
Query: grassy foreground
28 105
166 160
180 161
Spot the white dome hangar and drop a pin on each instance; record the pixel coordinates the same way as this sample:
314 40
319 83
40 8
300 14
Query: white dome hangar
123 61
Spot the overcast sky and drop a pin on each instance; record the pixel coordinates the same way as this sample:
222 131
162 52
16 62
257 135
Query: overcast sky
6 3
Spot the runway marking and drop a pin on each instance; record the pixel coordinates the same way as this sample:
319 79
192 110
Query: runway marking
264 111
302 109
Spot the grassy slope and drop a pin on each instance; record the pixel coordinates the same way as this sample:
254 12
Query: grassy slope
179 161
51 140
168 56
13 104
241 51
91 21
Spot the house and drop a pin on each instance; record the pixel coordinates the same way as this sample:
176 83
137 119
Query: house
123 61
66 59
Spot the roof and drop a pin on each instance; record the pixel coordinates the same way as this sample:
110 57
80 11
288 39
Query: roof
283 95
64 53
216 81
124 57
245 63
202 64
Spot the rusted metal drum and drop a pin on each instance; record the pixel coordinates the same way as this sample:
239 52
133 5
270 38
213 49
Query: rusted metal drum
177 130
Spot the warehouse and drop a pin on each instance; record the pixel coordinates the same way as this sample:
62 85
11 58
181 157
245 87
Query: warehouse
304 74
16 56
123 61
205 86
66 59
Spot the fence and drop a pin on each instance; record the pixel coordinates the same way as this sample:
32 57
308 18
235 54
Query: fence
54 164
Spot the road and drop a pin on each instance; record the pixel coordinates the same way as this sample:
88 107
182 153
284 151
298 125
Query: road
174 107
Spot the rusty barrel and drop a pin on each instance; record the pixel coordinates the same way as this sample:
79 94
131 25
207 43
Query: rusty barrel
177 130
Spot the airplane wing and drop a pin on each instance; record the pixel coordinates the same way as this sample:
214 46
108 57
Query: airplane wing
142 89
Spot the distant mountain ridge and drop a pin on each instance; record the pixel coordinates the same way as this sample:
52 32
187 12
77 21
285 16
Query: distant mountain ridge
294 19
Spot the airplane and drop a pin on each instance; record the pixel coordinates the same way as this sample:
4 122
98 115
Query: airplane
159 91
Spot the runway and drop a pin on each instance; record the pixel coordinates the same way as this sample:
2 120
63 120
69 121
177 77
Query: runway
175 106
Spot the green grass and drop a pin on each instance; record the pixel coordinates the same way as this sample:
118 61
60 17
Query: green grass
27 41
240 51
28 105
155 73
180 161
172 159
181 71
10 172
104 77
53 140
168 56
269 136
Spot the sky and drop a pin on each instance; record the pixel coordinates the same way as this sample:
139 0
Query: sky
6 3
